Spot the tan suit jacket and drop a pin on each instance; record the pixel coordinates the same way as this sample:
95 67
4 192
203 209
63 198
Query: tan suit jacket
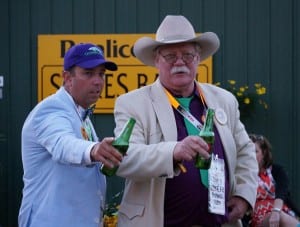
150 156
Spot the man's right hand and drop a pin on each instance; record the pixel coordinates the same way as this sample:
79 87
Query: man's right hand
189 147
105 153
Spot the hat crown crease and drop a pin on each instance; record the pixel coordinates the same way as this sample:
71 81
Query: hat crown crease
175 38
168 29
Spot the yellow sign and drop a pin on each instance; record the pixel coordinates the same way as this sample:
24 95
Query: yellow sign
131 73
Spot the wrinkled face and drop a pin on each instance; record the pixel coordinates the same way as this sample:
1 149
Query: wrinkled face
177 65
259 155
85 85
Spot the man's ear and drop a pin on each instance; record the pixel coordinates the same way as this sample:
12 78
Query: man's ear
156 61
66 75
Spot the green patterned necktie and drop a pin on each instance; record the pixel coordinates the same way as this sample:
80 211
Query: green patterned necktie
192 130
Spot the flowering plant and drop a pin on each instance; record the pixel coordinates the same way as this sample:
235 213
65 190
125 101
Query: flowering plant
248 97
110 214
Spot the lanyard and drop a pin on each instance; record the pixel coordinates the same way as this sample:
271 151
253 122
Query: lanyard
185 113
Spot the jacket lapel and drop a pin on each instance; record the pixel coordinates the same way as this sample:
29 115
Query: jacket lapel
212 101
164 110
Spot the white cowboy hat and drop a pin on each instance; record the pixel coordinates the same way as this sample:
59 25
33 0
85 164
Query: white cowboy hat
175 29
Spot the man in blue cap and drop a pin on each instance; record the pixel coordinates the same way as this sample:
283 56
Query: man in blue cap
61 152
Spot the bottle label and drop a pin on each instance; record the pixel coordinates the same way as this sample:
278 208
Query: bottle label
216 186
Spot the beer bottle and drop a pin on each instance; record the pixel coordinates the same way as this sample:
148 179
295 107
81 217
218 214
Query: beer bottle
121 143
207 133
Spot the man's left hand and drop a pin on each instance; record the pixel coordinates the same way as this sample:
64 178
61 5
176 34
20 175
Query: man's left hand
237 208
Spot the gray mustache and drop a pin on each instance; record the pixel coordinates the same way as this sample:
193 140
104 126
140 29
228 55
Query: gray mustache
180 69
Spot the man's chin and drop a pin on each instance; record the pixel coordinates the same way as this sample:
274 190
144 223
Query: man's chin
94 99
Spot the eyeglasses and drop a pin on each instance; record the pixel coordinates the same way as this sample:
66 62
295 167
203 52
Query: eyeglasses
172 58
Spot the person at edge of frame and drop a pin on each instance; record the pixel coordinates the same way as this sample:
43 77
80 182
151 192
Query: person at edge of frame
61 152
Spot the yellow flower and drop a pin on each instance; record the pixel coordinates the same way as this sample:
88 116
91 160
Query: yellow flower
232 82
110 217
239 94
257 85
110 221
242 89
264 104
261 91
247 96
247 100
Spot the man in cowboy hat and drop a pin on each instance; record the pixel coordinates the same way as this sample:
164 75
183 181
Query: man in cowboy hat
157 192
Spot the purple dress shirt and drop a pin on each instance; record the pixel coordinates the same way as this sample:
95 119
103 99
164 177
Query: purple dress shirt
186 198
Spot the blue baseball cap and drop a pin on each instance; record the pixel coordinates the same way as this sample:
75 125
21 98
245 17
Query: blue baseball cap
86 55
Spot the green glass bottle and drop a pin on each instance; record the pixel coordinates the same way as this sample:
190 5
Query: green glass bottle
121 143
207 133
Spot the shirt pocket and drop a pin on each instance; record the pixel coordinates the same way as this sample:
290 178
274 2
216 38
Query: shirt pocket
131 210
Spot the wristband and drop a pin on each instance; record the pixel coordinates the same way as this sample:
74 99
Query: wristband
276 209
